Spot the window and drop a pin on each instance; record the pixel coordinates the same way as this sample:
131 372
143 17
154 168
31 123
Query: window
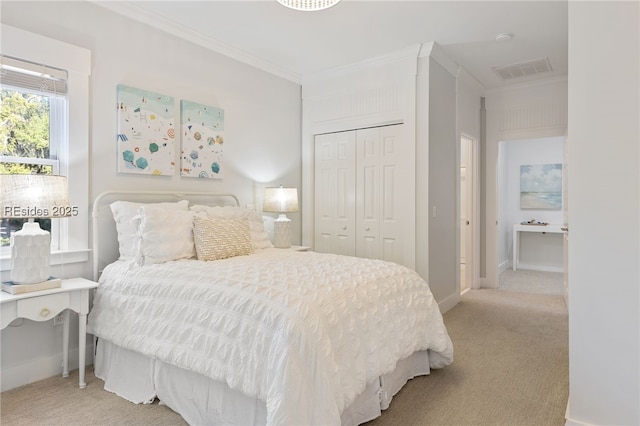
54 97
33 113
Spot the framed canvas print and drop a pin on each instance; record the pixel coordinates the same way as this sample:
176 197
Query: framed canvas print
541 187
146 132
202 151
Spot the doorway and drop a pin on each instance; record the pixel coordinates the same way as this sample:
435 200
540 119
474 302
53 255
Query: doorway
536 264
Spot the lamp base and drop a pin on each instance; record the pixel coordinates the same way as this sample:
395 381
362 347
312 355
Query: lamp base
30 254
282 232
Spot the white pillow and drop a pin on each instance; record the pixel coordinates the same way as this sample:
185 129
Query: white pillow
124 212
163 235
259 237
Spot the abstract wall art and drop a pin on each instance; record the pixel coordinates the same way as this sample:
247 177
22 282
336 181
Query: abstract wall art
202 151
146 132
541 187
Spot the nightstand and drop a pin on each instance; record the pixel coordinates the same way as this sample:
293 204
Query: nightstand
299 248
73 295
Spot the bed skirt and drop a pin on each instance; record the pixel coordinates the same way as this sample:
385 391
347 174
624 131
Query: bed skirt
203 401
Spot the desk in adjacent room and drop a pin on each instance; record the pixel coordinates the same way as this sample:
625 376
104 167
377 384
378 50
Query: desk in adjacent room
518 228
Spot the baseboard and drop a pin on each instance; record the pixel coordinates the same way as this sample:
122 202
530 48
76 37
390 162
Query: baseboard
448 302
570 422
42 368
542 268
502 266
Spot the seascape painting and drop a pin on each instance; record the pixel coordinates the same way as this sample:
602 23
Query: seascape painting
146 132
202 151
541 187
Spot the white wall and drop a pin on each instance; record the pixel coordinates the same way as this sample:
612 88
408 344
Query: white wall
537 251
262 131
604 213
444 183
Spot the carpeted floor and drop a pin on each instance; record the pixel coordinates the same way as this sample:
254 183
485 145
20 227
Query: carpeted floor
510 368
528 281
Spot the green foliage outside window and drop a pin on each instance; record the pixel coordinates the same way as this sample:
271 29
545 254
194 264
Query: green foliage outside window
24 132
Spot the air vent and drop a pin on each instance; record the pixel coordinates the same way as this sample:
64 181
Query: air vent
523 69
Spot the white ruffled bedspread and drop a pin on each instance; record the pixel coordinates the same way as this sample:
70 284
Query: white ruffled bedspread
303 331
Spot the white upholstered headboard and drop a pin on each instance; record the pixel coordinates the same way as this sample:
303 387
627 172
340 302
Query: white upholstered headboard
105 238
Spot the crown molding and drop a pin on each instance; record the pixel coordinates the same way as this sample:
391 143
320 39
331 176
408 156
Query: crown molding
528 84
433 50
397 57
129 10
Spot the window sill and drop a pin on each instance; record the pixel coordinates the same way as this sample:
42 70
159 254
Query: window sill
57 258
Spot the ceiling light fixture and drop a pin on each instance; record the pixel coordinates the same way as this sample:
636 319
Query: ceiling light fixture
504 37
308 5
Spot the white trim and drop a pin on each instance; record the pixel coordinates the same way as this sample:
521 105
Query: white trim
526 85
170 26
392 59
449 302
433 50
542 268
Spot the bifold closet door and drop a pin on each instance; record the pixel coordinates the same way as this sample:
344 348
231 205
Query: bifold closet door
379 193
335 205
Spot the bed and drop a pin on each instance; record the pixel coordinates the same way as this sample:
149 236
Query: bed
196 308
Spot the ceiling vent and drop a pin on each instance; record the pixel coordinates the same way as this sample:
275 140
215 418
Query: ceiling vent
523 69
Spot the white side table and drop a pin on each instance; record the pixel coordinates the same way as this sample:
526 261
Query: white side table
45 305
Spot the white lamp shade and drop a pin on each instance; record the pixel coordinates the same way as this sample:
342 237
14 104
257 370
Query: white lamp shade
31 196
280 200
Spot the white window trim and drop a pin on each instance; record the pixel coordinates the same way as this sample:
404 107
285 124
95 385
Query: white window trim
77 61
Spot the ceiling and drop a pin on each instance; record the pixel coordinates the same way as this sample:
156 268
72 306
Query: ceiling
295 44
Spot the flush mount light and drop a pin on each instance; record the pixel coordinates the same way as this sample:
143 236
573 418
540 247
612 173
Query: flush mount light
504 37
308 5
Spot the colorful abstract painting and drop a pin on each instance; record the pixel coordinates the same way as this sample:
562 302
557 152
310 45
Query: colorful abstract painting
202 152
146 132
541 187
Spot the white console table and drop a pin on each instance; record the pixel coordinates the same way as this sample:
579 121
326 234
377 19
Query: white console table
541 229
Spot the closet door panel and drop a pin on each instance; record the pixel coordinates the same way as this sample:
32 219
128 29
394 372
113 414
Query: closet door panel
392 194
335 193
368 180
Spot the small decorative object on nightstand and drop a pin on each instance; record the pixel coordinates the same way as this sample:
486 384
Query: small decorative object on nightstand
72 295
281 200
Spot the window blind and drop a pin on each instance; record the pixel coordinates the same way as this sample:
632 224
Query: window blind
31 76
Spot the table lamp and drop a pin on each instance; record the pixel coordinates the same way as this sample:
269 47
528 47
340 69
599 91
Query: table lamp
281 200
25 196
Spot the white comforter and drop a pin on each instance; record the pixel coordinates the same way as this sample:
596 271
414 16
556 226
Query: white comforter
305 332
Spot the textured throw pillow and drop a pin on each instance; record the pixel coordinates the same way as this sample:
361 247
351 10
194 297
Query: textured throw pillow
163 235
123 214
221 238
259 237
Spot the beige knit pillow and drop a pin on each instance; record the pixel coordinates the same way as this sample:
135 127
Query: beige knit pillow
221 238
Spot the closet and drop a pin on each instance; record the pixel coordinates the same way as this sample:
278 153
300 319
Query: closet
359 197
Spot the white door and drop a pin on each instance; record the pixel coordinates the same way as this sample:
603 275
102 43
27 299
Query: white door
466 213
565 221
335 193
379 193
